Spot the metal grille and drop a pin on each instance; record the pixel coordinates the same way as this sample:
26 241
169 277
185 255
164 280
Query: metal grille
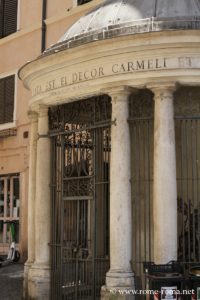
8 132
81 149
187 115
141 134
187 131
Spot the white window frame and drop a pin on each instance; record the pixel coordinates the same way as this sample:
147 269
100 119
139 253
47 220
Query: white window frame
5 217
18 14
11 124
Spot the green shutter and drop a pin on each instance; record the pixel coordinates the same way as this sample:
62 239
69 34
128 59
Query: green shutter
10 17
9 98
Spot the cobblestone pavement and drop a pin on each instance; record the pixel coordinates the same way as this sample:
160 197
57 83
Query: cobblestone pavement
11 282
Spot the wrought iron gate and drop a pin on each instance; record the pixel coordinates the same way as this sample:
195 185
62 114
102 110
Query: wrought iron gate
187 130
141 122
81 148
187 120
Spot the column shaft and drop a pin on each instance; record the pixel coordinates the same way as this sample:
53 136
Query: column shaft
120 273
164 186
31 199
39 275
42 216
32 187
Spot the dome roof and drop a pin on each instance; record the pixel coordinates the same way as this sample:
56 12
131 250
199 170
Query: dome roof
121 17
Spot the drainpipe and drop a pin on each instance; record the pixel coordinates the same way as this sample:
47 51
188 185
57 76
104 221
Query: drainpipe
44 12
155 9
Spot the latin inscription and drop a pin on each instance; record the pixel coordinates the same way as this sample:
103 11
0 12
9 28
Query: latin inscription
132 66
88 74
50 85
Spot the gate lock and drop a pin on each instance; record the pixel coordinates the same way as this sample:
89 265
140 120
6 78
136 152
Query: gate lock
75 248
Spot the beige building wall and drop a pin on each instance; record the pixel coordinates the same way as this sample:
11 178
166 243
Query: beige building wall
15 50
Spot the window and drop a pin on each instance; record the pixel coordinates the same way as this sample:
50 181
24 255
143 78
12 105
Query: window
8 17
81 2
9 205
7 91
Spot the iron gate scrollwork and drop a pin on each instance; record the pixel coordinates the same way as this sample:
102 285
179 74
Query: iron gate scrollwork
81 146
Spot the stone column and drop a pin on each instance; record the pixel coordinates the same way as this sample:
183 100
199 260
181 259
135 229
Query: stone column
120 275
164 186
40 271
31 197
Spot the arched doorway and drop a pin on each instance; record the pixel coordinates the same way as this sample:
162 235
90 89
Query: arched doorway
81 146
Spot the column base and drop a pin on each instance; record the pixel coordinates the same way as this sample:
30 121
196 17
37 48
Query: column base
39 282
117 293
117 278
27 267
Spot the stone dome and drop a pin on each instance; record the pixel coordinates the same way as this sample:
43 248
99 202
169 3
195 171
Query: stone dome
122 17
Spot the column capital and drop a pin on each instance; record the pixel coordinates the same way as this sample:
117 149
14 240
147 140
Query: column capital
160 87
32 115
42 110
119 90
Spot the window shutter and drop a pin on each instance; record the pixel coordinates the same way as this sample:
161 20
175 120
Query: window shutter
2 101
9 98
1 18
10 17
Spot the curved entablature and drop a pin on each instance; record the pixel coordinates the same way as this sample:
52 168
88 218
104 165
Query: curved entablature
133 61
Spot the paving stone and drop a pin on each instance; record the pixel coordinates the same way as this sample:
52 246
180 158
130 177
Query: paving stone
11 282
